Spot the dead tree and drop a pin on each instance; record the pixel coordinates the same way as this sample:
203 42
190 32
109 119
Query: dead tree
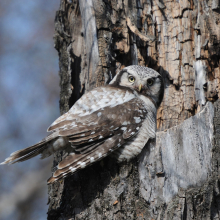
176 176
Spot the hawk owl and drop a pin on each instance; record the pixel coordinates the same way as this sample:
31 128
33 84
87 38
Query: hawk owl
117 119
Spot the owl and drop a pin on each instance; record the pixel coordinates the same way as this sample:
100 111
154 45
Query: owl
117 120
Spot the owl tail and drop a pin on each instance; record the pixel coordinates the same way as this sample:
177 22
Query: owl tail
45 147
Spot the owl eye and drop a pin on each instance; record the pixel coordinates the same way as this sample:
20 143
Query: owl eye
131 79
150 82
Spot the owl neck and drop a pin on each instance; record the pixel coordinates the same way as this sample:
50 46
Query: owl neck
117 79
149 103
144 97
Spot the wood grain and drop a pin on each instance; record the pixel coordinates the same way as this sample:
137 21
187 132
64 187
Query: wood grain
97 38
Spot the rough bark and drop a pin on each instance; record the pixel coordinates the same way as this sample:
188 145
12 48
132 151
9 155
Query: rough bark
176 176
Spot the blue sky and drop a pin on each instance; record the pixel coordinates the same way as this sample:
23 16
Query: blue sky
29 88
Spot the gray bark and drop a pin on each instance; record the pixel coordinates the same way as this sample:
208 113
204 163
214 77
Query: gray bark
176 175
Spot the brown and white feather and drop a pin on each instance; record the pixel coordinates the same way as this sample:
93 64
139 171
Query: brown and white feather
117 120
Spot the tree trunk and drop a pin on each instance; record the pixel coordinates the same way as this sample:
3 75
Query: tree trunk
176 175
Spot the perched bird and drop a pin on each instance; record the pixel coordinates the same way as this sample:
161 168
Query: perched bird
117 119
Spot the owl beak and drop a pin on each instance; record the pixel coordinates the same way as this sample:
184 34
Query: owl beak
140 87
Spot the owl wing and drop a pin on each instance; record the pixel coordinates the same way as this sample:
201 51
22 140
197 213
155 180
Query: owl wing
100 122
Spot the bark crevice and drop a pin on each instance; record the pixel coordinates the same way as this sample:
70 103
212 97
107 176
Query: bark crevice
186 54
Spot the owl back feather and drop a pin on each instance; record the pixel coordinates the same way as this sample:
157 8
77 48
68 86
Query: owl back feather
117 119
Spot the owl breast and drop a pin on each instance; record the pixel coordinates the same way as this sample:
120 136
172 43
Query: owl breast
135 145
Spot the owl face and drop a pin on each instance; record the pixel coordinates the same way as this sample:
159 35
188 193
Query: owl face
143 80
117 119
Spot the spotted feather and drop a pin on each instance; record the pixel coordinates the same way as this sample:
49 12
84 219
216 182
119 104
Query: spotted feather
116 120
113 136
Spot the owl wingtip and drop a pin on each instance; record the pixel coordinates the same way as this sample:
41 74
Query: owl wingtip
4 162
51 180
7 161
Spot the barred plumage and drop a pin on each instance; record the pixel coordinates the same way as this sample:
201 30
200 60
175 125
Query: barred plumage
116 119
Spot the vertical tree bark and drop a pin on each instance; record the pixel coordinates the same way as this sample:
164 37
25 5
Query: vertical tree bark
176 176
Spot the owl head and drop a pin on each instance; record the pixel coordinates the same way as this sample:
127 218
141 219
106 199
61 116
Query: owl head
143 80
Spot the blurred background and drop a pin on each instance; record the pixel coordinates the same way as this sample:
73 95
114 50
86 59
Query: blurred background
29 102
